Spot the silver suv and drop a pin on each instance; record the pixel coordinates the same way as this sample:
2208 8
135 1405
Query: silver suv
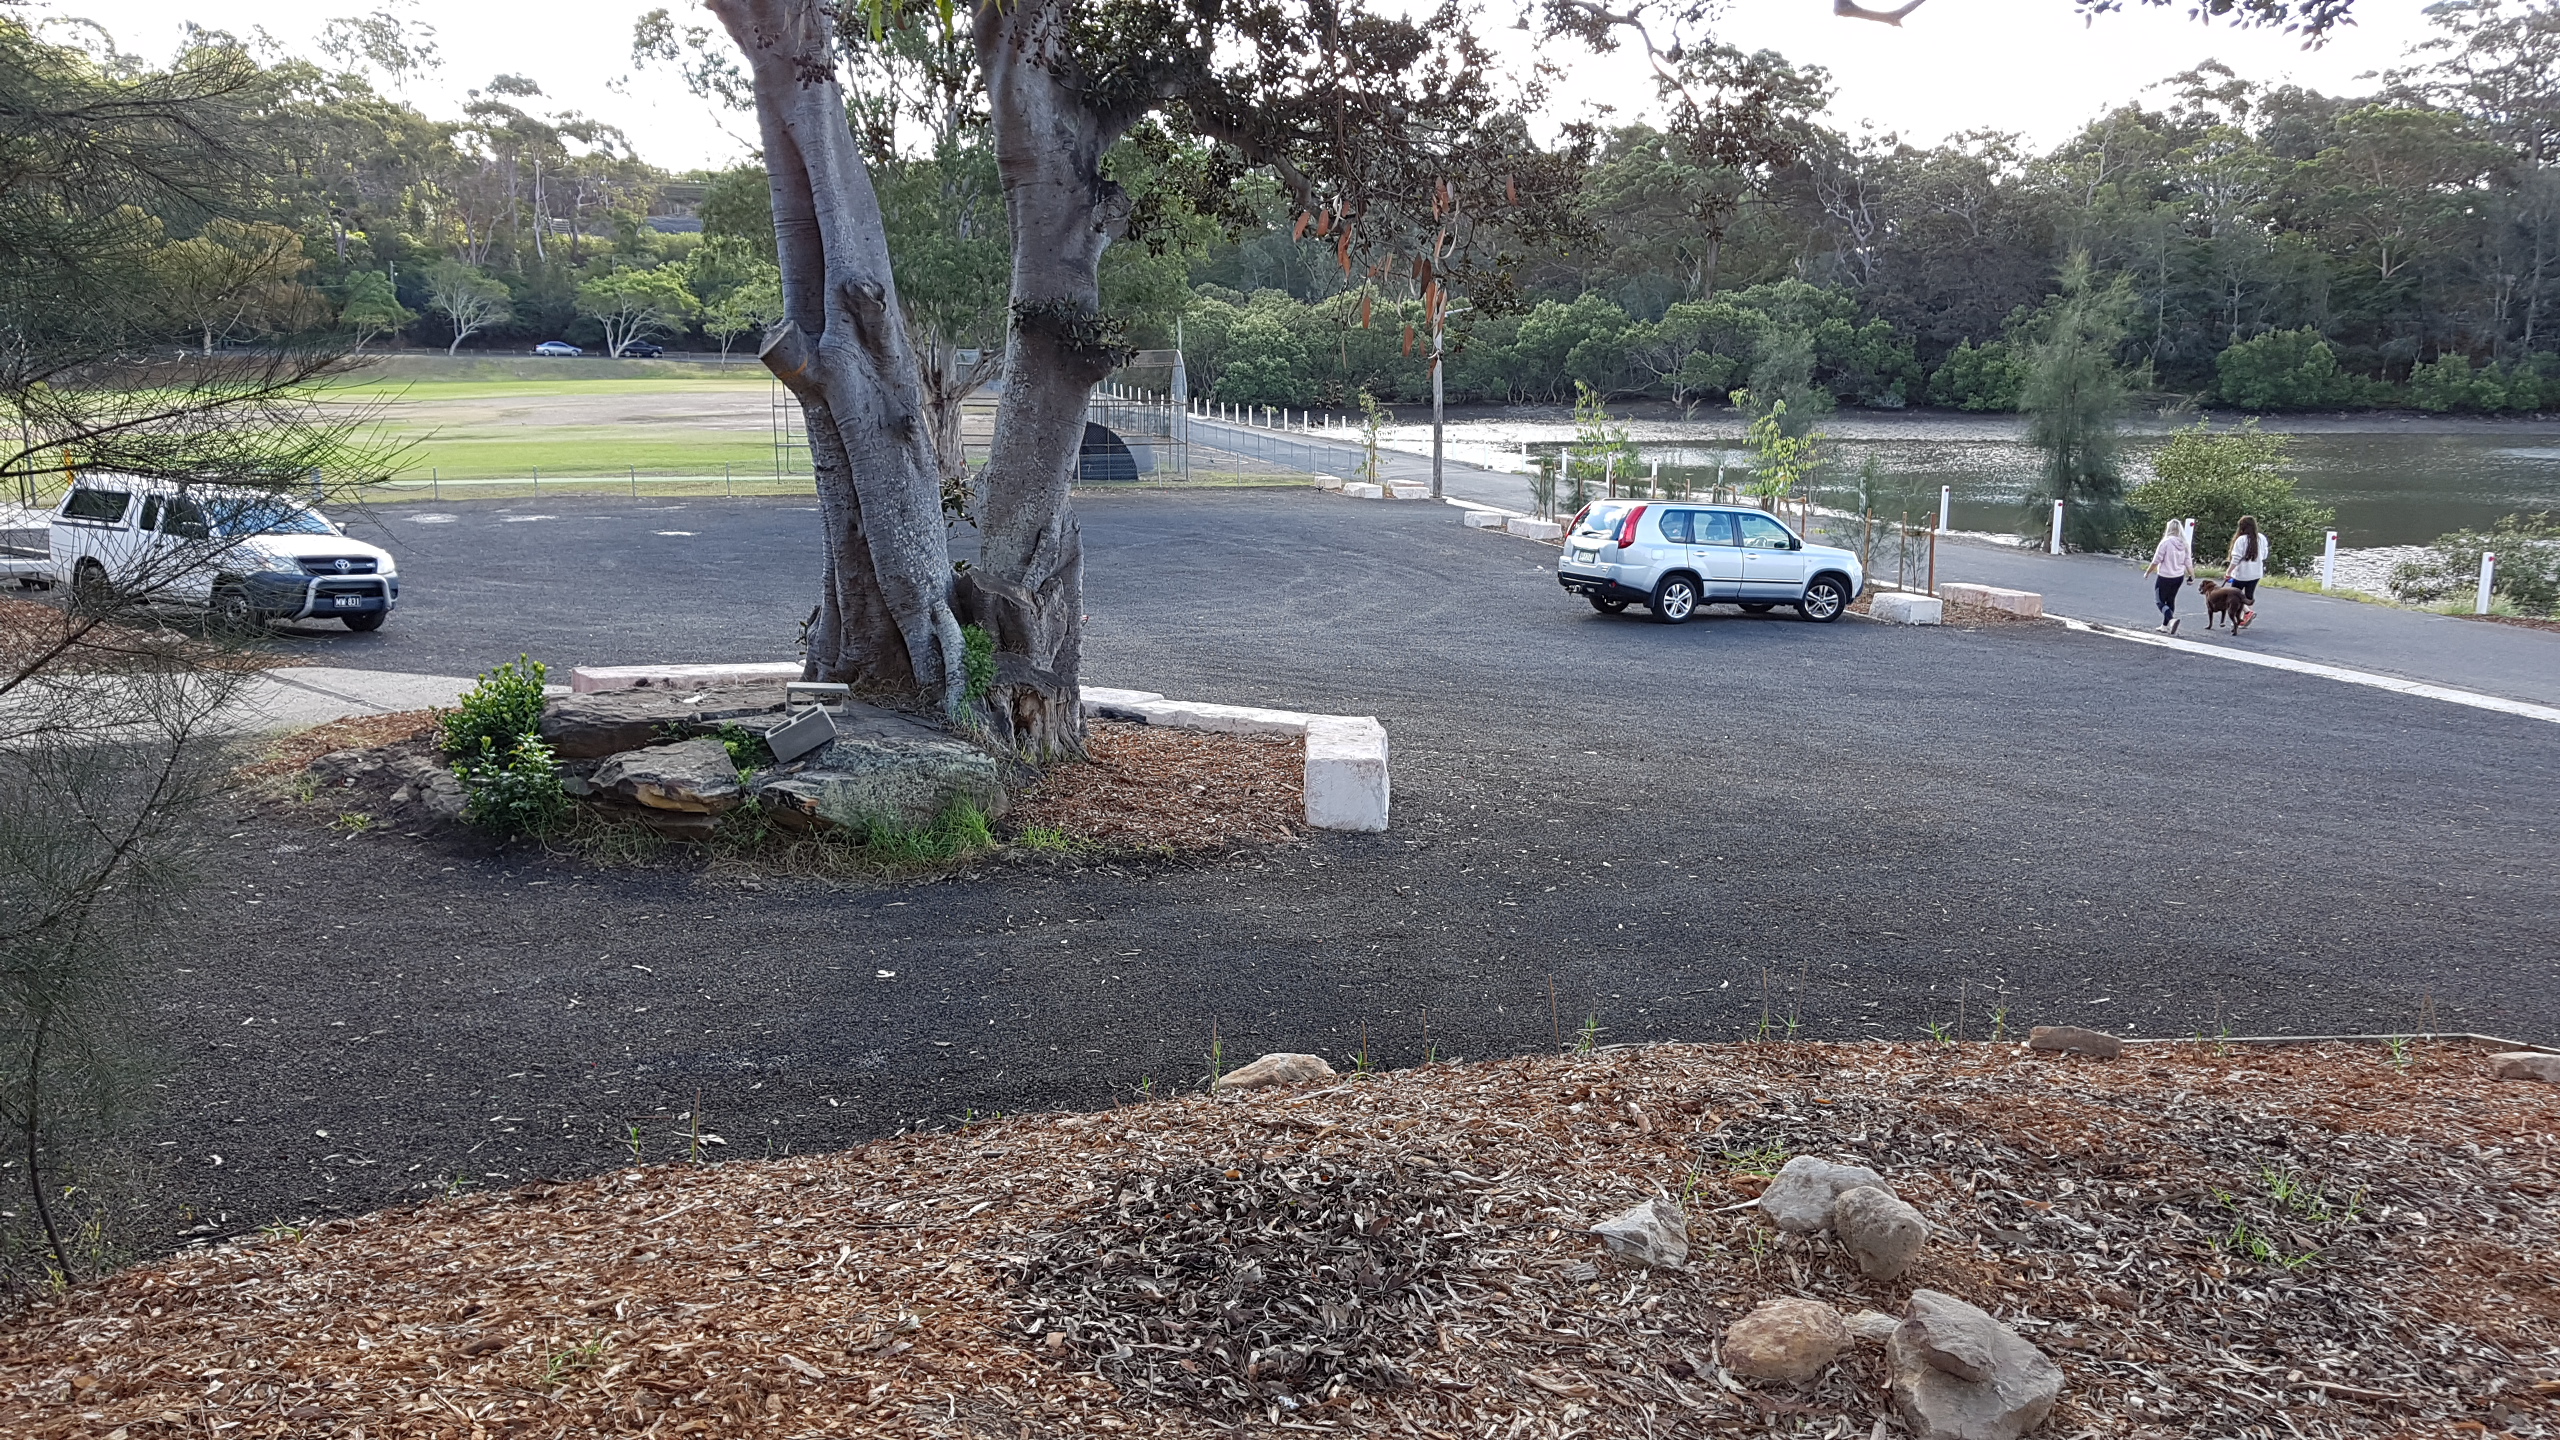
1673 556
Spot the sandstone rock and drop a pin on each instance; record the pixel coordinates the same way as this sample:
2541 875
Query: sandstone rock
1881 1232
608 722
696 777
1958 1374
1873 1326
1654 1234
2526 1065
884 770
1800 1198
1279 1068
1785 1339
2073 1040
430 783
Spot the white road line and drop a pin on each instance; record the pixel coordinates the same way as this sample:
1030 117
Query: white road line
2397 686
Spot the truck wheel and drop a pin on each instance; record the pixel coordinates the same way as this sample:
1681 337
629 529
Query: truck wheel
364 623
231 613
90 592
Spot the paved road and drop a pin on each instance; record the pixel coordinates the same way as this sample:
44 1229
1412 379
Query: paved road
1887 827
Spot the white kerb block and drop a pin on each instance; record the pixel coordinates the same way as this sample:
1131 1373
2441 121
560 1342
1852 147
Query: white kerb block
1346 773
1907 609
2026 604
1528 529
588 679
1420 490
1329 482
1484 519
1094 697
1365 492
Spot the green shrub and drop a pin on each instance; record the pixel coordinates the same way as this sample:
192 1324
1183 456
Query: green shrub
2528 575
2214 478
516 791
505 707
1988 378
2449 383
979 659
2284 370
746 748
957 832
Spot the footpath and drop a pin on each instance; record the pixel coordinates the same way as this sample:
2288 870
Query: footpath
2509 662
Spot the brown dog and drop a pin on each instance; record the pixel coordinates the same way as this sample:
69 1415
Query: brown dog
2223 602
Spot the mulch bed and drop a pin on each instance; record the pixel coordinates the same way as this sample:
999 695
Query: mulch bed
2222 1241
1148 788
296 751
32 633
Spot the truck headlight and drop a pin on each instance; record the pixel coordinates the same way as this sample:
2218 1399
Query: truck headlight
280 564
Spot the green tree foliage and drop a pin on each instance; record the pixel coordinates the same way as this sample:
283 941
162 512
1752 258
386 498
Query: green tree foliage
2528 572
1988 377
2215 477
372 306
637 304
469 300
2449 383
2284 370
2074 397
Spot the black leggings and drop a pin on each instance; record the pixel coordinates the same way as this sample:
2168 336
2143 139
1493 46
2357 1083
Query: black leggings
2248 590
2164 593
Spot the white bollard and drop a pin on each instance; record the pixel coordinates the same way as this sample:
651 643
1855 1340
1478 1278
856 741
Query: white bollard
2329 563
2190 533
2055 546
1946 498
2488 576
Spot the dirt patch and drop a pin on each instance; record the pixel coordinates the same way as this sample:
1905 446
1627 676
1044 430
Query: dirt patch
2294 1241
1954 613
2525 622
1148 788
294 753
37 634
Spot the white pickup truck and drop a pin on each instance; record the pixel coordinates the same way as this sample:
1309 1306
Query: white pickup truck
248 556
26 552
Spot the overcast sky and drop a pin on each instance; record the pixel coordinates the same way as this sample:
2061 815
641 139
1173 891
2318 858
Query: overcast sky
2029 66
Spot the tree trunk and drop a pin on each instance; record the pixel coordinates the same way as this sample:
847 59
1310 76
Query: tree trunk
1027 589
948 384
885 619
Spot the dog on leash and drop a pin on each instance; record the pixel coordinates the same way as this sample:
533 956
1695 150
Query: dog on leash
2223 602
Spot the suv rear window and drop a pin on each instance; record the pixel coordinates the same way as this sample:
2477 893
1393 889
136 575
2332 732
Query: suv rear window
1605 517
87 504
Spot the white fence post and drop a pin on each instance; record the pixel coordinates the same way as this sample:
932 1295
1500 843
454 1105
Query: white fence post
2329 563
2056 545
1946 498
2488 576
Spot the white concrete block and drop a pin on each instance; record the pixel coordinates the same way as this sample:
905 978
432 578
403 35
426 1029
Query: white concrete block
1097 696
1365 492
1905 608
1484 519
1329 482
1410 490
1224 719
2023 603
588 679
1527 528
1346 773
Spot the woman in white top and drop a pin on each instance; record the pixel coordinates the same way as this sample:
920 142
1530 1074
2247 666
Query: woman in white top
2248 564
2168 570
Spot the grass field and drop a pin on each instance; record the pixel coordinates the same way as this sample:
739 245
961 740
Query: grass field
471 424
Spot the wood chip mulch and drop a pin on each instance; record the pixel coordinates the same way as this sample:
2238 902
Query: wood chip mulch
295 752
47 635
1149 788
2211 1240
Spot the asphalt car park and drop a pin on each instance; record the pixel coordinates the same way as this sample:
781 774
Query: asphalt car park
1745 825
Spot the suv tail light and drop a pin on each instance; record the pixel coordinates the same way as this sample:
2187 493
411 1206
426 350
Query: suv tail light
1574 525
1627 532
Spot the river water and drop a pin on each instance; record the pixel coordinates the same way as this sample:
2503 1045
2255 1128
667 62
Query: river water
2394 480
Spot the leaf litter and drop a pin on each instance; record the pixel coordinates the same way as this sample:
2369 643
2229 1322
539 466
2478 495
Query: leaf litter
2224 1241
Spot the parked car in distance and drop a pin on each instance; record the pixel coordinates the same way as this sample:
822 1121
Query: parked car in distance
643 350
557 347
26 546
1674 556
246 556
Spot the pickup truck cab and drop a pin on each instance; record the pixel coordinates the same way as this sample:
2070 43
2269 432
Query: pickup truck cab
247 556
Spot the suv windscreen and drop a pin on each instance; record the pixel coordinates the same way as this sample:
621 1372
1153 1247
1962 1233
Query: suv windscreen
106 505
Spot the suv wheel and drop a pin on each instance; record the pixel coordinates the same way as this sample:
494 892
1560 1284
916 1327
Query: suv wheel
1824 599
1675 599
1605 605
